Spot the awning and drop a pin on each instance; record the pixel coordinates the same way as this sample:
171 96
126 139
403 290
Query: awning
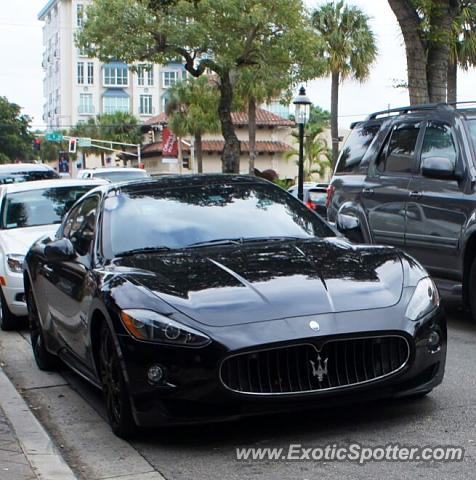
115 92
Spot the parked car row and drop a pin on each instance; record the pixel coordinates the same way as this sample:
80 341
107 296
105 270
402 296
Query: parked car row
208 297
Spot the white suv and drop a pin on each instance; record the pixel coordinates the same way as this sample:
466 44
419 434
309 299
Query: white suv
114 174
30 210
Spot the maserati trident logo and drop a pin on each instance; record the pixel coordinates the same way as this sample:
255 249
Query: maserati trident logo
319 371
314 325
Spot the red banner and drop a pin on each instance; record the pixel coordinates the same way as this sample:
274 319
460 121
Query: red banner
170 143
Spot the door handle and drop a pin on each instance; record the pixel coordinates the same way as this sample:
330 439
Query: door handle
415 194
368 191
47 269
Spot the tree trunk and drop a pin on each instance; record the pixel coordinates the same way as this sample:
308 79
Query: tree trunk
252 133
415 50
198 152
334 117
439 51
452 96
230 156
103 161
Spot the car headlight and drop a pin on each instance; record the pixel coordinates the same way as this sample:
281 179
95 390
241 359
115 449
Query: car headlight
15 262
151 326
425 299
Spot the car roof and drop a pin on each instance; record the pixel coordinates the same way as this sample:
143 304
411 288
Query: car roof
112 169
56 183
180 181
23 167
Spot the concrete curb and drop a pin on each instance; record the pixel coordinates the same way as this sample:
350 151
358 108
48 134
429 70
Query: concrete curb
41 453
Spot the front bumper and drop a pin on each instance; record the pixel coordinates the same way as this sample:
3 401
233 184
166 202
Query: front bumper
193 392
14 293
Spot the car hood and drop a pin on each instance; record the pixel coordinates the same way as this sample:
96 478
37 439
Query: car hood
19 240
224 286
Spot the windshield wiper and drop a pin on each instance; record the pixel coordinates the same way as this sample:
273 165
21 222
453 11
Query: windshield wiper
242 240
137 251
218 241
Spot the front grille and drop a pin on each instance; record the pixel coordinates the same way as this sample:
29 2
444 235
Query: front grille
304 368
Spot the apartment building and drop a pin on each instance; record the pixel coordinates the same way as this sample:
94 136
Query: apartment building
77 87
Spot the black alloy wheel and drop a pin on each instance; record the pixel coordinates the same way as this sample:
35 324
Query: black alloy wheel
44 359
114 387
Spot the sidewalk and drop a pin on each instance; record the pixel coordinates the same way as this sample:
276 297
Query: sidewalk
26 450
13 463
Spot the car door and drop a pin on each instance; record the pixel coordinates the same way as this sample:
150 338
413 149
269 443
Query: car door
385 191
435 210
70 284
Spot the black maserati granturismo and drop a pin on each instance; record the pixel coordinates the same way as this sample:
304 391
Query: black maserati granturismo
210 297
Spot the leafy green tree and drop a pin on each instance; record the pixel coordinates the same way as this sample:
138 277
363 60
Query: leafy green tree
463 46
349 49
220 36
317 155
193 110
15 137
119 127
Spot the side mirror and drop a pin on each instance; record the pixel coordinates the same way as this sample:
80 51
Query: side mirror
59 250
438 167
349 226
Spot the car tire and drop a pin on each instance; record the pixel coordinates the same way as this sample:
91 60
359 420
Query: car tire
116 395
472 290
45 360
8 321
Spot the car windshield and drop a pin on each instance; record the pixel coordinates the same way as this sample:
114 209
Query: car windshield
18 176
472 131
317 196
40 207
182 217
117 176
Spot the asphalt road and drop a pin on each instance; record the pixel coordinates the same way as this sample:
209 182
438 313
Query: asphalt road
73 412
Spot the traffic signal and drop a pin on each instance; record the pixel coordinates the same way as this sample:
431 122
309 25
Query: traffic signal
37 144
73 145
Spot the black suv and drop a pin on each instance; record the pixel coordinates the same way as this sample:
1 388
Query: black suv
407 177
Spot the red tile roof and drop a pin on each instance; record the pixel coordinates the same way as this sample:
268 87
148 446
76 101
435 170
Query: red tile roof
263 118
217 146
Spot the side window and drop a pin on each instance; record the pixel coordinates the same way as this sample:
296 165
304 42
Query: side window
82 228
438 142
356 147
70 220
398 156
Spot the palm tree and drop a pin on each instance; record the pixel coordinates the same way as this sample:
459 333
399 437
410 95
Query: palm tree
120 127
255 87
193 110
463 46
88 129
317 155
348 48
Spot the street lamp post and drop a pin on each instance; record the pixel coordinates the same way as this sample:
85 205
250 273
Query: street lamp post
303 110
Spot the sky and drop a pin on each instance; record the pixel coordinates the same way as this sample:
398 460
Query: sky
21 74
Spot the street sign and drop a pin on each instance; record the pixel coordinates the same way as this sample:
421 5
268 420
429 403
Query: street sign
54 137
84 142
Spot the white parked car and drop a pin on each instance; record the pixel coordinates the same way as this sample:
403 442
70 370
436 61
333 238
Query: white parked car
114 174
30 210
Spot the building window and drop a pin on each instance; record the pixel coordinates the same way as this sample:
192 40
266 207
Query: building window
80 73
113 104
116 76
90 73
86 103
170 78
79 15
145 105
145 75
